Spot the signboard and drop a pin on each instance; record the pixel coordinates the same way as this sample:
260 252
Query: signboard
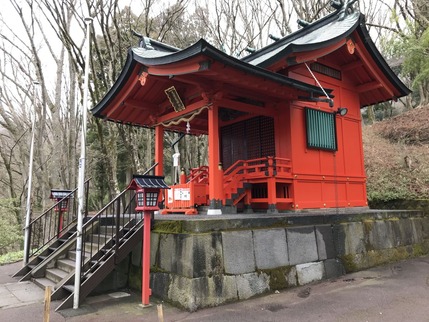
182 194
170 195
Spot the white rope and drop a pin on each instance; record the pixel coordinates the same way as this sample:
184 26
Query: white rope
184 119
317 81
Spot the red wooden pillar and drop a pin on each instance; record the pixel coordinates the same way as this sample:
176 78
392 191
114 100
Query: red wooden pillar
159 150
215 174
271 186
146 290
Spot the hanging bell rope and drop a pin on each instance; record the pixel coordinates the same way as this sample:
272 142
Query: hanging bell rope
317 82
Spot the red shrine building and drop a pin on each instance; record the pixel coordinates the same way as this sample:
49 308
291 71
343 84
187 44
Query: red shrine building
283 124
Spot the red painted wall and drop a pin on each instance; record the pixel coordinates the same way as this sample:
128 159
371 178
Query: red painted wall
324 179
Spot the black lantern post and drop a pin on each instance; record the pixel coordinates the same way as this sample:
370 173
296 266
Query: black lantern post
148 189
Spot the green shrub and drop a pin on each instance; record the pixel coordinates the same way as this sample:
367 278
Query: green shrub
11 235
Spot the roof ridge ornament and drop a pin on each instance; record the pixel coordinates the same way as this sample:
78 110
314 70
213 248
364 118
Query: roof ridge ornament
346 8
144 42
303 23
250 49
273 37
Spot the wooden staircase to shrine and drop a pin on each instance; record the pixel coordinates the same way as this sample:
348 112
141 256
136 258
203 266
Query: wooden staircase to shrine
259 182
108 237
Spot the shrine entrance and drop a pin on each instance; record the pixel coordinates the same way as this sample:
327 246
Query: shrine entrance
249 139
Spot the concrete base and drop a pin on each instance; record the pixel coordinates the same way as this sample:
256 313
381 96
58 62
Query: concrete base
215 212
205 261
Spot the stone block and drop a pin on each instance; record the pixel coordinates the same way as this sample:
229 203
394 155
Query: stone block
166 255
181 292
291 277
425 227
381 235
215 290
325 242
349 238
418 229
207 255
395 231
195 293
333 268
310 272
405 231
238 255
249 285
160 284
176 254
154 245
302 247
281 277
270 248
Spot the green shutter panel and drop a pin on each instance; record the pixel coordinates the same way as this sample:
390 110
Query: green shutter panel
321 129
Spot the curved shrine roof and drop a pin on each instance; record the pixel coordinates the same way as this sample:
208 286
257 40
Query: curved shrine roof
321 33
201 52
137 97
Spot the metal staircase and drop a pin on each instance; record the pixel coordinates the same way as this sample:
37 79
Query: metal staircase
108 237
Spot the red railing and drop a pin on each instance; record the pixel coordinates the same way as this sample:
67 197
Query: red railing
199 175
249 170
195 185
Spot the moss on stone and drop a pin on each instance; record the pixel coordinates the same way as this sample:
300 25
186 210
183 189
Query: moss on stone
168 226
418 250
368 226
278 277
349 263
135 277
280 224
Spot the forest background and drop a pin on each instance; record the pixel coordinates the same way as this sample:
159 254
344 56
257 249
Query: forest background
43 41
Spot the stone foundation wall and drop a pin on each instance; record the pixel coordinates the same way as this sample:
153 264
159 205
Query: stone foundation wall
208 268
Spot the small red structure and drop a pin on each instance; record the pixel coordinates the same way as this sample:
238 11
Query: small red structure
61 198
283 124
148 189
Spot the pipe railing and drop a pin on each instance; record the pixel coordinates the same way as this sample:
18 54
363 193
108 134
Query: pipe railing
102 233
53 223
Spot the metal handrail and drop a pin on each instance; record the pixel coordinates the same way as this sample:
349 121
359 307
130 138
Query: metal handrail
103 232
44 229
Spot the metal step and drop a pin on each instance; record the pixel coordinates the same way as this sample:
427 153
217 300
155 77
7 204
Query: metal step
98 273
96 238
66 264
55 274
108 231
92 247
69 288
72 255
42 282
